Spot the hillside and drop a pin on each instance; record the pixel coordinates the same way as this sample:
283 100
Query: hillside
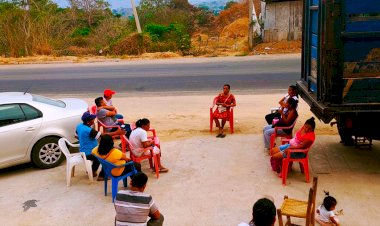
212 5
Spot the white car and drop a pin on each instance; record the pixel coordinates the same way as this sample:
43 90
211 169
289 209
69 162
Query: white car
31 125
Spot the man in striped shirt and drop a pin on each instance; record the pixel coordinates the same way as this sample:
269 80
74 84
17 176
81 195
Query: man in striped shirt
134 206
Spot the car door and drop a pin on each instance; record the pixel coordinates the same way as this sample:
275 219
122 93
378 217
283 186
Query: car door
19 124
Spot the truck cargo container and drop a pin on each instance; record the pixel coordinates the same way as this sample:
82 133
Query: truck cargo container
340 76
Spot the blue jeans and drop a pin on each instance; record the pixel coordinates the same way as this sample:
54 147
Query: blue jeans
267 132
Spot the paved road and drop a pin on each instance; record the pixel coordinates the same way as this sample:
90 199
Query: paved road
174 77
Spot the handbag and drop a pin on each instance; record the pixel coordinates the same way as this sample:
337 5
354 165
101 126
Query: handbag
221 108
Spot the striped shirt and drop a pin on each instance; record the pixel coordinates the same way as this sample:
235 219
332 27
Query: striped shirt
133 207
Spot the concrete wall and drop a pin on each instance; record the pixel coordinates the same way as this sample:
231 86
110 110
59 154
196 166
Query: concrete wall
282 21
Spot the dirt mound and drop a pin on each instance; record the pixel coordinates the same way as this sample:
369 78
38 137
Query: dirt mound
238 28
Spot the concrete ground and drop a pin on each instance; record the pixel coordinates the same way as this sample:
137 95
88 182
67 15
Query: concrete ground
212 181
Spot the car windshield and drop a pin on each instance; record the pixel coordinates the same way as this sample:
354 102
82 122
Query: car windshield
45 100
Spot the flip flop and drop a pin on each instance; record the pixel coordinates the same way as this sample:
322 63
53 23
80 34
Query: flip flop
223 135
163 170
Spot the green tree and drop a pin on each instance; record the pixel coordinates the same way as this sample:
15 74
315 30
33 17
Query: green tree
229 4
93 10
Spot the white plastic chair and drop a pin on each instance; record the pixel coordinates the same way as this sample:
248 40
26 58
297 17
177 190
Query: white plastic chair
73 159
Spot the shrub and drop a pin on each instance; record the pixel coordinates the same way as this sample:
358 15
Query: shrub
133 44
173 37
81 32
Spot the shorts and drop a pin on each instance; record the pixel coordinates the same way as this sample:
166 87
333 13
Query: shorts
138 152
293 155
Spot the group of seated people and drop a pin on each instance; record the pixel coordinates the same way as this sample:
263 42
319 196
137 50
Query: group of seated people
285 116
101 144
107 114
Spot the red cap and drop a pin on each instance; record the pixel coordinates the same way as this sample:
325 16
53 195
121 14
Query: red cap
108 92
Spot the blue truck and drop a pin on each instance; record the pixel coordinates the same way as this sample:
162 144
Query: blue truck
340 78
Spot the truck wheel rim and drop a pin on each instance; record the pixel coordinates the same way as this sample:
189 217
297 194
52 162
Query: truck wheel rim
50 153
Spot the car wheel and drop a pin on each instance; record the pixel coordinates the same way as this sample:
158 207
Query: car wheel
46 153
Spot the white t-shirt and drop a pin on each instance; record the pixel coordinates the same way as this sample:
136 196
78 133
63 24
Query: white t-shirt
136 138
325 214
108 102
243 224
286 100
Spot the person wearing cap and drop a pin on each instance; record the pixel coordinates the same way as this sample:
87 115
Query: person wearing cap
107 97
88 139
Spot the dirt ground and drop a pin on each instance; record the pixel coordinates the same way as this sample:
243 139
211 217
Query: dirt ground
212 181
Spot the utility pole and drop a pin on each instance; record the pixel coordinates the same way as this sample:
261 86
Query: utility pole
136 16
250 25
254 29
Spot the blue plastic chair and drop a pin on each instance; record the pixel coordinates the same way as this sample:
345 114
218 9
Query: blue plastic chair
108 167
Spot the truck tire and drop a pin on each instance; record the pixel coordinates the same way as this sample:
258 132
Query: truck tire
345 136
46 153
345 129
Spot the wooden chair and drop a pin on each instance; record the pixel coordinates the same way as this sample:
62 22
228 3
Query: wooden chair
299 208
230 119
303 162
275 135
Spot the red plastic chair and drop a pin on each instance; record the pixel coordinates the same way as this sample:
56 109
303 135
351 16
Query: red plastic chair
274 136
151 157
103 126
93 109
230 119
288 161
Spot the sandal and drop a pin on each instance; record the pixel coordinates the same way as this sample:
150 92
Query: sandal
163 170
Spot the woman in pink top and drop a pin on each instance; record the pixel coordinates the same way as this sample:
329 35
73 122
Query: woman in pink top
303 139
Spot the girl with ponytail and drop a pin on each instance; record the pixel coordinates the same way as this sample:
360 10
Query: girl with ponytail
140 141
303 139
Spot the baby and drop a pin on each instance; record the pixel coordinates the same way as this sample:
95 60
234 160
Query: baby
325 212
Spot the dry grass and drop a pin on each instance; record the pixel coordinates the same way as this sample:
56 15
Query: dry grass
82 59
232 42
160 55
36 59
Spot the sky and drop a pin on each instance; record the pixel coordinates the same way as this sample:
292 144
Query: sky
115 4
